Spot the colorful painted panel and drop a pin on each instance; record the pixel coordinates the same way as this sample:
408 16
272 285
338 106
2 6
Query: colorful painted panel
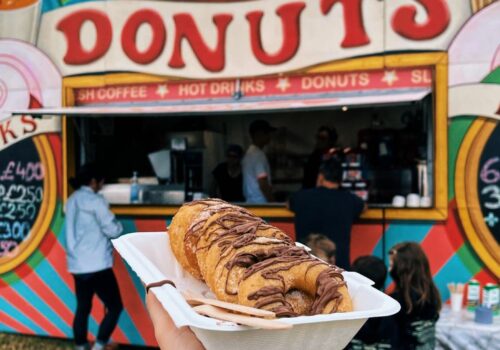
37 292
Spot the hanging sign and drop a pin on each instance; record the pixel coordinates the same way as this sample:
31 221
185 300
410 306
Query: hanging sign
314 85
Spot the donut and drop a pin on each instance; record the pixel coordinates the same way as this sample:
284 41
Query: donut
266 284
299 301
181 222
227 225
247 261
228 260
197 229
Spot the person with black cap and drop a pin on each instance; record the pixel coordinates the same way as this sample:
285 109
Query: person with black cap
256 171
228 179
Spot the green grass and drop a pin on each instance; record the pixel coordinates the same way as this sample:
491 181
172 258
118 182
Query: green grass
27 342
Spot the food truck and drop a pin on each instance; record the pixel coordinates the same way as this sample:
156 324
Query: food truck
155 92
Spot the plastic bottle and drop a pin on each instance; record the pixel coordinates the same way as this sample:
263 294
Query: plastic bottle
491 297
473 295
134 188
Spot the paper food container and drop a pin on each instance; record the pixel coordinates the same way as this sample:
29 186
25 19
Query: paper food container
150 256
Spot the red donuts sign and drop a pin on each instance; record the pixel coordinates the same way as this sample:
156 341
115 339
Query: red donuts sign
240 39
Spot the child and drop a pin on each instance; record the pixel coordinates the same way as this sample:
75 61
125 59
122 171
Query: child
413 327
373 334
322 247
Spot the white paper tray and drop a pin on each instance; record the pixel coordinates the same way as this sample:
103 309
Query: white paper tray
150 256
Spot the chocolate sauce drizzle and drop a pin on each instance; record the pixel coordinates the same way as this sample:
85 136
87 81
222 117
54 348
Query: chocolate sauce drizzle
327 290
327 283
237 228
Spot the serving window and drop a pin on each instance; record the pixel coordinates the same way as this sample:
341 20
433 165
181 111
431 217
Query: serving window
393 136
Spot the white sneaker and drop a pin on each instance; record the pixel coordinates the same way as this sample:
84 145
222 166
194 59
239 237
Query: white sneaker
98 346
82 347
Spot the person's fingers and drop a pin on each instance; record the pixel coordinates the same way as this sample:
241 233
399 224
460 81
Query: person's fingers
168 336
186 339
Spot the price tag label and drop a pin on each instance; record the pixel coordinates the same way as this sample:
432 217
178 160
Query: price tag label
25 193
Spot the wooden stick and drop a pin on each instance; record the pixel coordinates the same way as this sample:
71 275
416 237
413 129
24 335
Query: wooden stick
247 310
221 314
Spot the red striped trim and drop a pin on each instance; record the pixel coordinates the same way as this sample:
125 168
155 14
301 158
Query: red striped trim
56 257
46 294
14 324
133 303
287 227
438 236
364 239
22 270
29 311
453 226
390 288
485 276
148 225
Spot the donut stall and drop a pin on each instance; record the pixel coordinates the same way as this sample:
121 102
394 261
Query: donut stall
161 94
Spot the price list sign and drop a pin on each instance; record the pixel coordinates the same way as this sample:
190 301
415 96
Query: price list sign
477 184
489 183
23 200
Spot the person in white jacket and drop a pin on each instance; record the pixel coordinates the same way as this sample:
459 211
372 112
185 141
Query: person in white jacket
89 227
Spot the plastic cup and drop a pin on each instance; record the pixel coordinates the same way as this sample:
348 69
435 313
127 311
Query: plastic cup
425 202
413 200
456 301
398 201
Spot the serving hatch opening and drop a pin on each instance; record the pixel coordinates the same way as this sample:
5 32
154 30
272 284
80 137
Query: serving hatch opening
121 119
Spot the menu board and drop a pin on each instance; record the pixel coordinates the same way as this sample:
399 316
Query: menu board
489 183
21 195
477 189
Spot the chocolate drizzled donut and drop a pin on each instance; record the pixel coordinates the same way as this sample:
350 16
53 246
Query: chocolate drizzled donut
243 259
293 268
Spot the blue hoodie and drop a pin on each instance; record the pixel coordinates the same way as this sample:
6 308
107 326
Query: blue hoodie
90 225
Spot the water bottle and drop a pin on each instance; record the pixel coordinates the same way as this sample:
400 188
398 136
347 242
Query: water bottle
134 188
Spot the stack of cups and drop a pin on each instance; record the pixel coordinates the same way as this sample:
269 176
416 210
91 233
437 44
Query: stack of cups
413 200
456 296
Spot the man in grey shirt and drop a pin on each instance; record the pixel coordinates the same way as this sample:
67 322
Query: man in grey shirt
89 227
257 187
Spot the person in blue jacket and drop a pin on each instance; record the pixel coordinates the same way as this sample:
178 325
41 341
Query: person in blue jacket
90 225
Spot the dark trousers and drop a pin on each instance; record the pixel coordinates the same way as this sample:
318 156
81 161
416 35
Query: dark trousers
103 283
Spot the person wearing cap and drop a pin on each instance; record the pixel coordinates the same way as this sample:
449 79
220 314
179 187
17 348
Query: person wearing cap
228 178
256 171
327 209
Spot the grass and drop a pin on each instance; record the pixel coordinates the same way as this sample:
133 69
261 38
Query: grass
10 341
